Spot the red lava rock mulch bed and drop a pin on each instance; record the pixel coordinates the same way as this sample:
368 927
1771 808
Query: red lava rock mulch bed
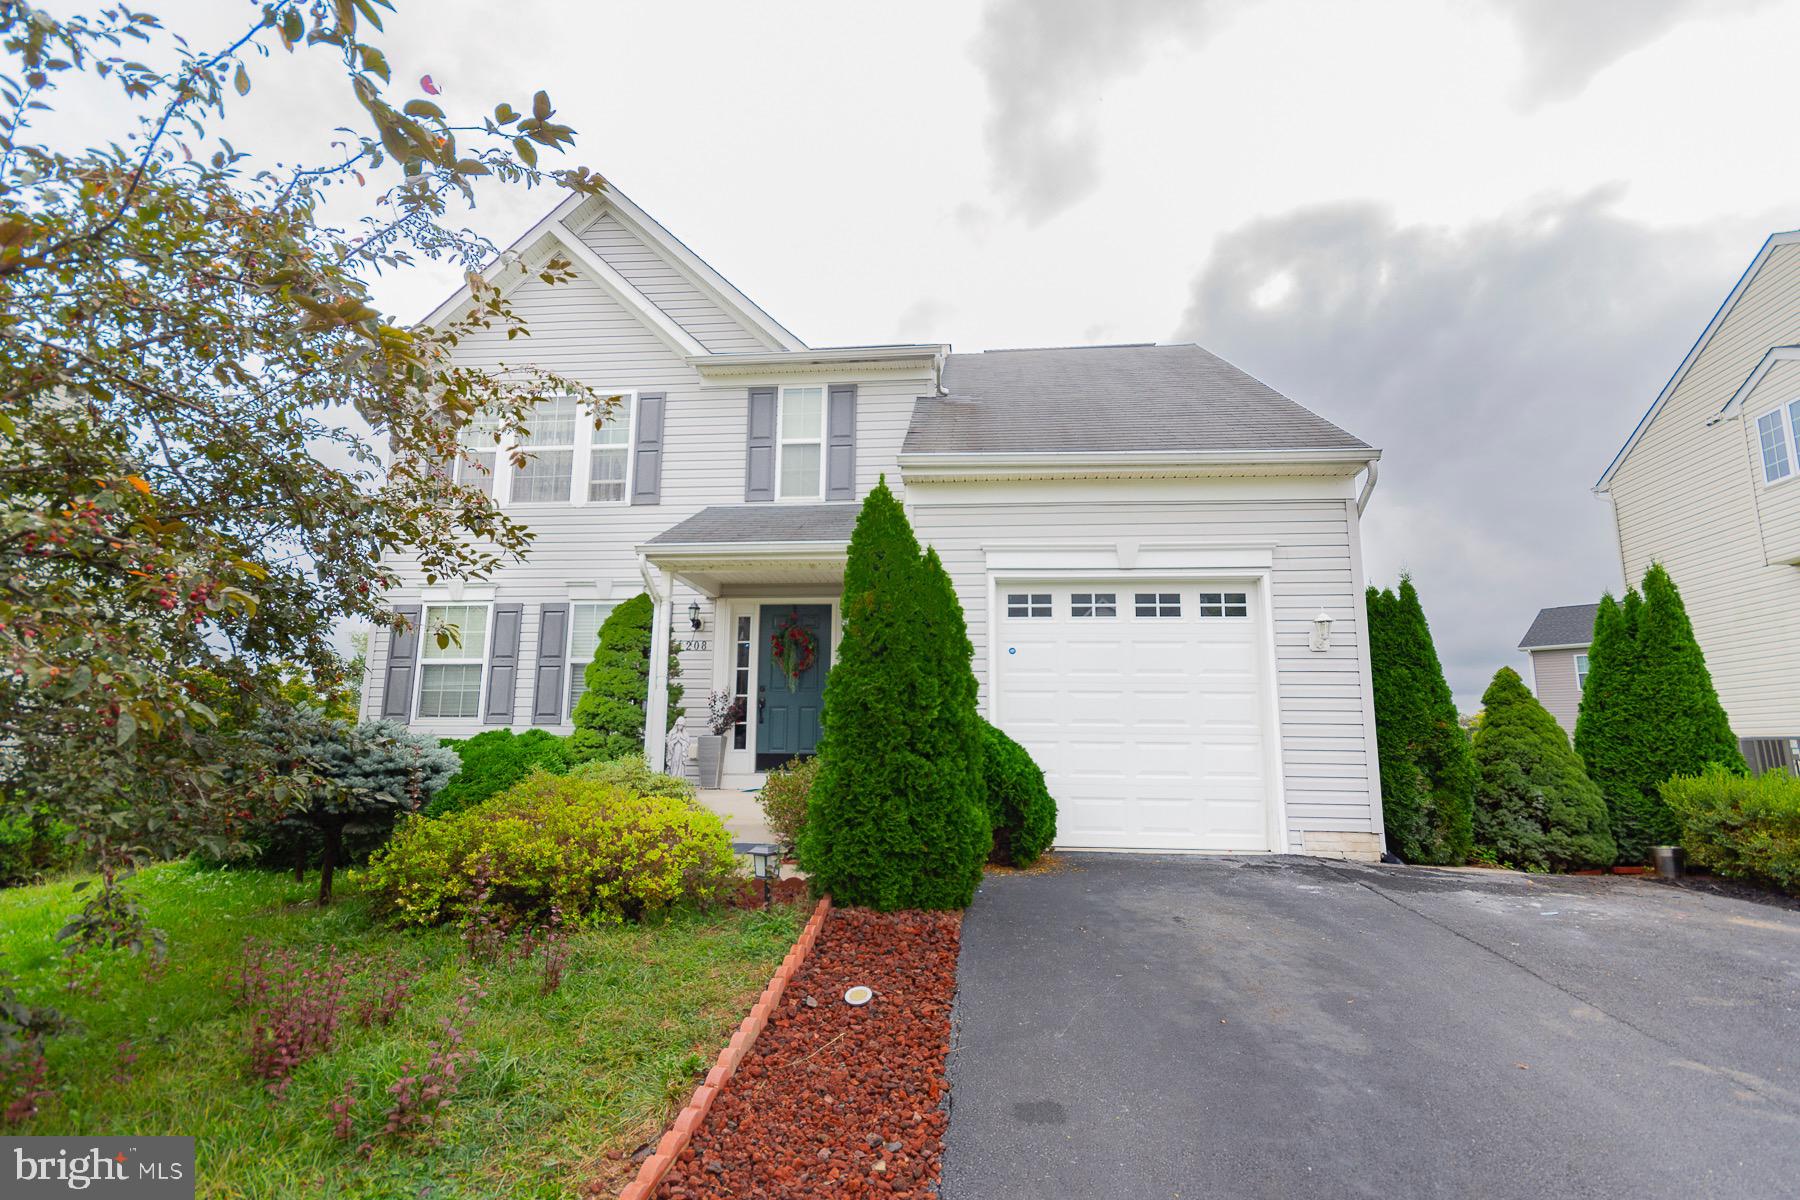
834 1100
749 893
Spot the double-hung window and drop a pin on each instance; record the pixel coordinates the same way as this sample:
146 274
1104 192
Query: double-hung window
479 444
1581 672
584 637
548 472
1778 437
800 444
609 456
452 654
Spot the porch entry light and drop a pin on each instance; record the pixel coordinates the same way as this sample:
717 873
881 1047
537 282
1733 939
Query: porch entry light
1321 631
694 613
765 861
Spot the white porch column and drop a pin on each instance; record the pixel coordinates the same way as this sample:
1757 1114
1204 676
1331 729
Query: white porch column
656 706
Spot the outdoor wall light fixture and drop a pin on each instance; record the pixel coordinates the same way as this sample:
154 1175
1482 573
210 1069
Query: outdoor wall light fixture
764 862
1321 631
694 613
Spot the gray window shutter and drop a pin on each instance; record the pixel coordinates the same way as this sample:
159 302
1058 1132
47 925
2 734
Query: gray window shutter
503 664
840 442
547 689
646 469
402 661
759 468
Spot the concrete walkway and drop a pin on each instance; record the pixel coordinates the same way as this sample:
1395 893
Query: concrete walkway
1193 1027
743 816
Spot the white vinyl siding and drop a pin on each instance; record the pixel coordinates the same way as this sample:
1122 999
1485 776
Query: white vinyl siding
452 654
1558 685
663 284
1691 496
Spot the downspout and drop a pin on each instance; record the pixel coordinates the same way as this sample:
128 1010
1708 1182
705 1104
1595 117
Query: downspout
1368 487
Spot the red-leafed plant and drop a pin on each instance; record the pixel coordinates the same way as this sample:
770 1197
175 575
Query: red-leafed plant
297 1010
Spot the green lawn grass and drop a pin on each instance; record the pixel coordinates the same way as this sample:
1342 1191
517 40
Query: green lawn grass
559 1079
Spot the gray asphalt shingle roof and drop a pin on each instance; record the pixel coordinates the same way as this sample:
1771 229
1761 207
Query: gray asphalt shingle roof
1570 625
1111 398
762 523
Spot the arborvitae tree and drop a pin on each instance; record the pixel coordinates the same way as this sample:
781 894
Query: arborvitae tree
609 717
1652 715
1534 804
1429 804
896 817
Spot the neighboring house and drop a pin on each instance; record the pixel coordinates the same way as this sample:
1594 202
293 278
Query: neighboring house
1558 642
1708 484
1159 558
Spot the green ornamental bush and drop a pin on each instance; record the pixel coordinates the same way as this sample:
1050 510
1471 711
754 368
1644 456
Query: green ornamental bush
1018 803
609 717
1427 774
494 761
599 853
784 797
632 773
896 818
33 844
1742 827
1535 807
1649 712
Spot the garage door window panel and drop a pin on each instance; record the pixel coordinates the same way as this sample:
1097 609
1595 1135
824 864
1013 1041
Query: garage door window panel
1224 604
1028 604
1158 604
1094 604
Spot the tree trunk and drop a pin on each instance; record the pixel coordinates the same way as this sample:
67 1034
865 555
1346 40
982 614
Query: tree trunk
334 839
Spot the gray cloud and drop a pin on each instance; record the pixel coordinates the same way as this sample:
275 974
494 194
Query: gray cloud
1568 42
1499 367
1046 63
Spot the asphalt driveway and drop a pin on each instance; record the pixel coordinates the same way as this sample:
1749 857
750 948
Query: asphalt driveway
1202 1027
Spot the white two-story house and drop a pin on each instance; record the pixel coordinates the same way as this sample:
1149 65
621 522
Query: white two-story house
1708 484
1159 557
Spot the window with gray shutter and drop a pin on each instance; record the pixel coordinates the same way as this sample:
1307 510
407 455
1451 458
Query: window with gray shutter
503 665
840 443
552 661
646 477
759 464
402 660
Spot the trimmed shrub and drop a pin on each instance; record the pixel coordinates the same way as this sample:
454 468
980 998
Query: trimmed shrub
1742 827
1534 805
609 717
896 817
593 852
784 795
1018 803
1427 774
33 844
494 761
632 773
1649 712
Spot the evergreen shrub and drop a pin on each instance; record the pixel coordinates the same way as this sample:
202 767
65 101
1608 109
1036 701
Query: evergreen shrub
1535 807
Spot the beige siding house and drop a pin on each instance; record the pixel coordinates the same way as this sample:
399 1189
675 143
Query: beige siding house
1707 485
1557 644
1159 557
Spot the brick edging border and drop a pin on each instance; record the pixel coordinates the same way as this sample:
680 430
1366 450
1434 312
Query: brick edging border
681 1129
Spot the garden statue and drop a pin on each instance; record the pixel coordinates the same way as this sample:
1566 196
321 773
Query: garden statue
677 747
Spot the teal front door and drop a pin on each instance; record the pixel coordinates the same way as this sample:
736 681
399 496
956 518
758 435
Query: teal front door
787 712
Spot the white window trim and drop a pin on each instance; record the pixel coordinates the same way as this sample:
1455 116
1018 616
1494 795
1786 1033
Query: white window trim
581 471
420 662
782 443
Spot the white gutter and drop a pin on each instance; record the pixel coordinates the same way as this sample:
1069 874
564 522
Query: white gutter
1368 487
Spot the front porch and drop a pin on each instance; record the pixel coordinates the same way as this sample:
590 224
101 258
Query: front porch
764 570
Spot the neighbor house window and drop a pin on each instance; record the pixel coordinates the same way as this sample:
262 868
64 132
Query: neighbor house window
1158 604
549 447
480 443
584 636
1581 672
1223 604
1776 464
801 449
1032 604
452 653
609 455
1094 604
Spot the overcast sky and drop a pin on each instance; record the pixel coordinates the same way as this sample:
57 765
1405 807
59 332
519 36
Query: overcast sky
1479 234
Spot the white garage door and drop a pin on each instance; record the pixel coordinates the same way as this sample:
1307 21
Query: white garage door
1144 703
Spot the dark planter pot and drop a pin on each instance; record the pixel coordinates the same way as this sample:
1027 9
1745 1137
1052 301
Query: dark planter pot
710 758
1669 861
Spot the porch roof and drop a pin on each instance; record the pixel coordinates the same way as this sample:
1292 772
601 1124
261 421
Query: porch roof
761 524
750 545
